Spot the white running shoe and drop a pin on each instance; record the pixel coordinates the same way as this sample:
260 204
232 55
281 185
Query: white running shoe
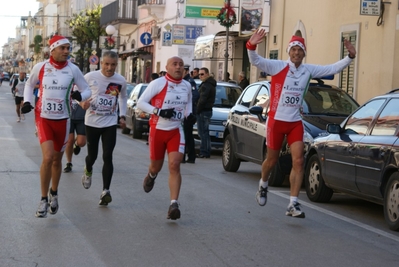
261 196
105 198
53 207
42 210
19 119
86 179
295 211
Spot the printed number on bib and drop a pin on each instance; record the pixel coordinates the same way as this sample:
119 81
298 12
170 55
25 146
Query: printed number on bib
53 106
105 103
290 99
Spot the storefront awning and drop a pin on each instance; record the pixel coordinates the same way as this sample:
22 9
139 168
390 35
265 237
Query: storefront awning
145 50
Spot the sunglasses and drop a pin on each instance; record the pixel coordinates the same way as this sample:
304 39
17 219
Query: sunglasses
201 74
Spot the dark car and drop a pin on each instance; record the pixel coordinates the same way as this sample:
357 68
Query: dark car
136 119
245 133
360 157
226 96
5 76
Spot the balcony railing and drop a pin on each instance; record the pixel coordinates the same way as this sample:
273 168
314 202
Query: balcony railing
152 2
120 11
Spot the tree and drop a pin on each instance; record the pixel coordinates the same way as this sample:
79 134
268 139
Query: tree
86 29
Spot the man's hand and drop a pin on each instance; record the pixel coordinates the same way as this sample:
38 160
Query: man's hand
167 113
257 37
351 49
85 104
76 95
191 119
26 108
122 122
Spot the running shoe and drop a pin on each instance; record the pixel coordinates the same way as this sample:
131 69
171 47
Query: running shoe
76 149
42 210
261 196
22 117
86 179
174 212
19 119
295 211
148 183
68 167
105 198
53 199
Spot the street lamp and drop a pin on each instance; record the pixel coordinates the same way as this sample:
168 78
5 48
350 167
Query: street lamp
110 30
109 42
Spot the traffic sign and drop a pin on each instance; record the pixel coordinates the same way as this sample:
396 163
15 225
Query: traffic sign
145 38
93 59
167 39
192 32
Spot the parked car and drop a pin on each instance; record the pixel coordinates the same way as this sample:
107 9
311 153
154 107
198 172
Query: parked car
136 119
5 76
226 96
360 157
245 133
129 88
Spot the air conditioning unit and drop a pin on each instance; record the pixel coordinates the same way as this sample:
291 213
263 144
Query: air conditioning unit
155 32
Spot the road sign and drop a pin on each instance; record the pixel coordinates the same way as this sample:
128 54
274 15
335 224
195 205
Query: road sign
145 38
93 59
192 32
178 34
167 39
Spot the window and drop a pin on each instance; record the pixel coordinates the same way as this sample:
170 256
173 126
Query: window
247 97
262 99
360 121
388 121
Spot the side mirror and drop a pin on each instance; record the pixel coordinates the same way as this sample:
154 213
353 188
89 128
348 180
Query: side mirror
333 128
257 110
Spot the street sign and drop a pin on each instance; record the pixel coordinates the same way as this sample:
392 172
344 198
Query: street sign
178 34
167 39
192 32
93 59
370 7
145 38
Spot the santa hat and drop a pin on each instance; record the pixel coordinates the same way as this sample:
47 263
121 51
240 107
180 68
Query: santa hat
58 40
299 41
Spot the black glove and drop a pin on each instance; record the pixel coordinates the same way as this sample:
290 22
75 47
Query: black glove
26 108
76 95
191 119
167 113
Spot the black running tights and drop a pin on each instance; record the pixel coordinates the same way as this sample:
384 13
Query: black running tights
108 140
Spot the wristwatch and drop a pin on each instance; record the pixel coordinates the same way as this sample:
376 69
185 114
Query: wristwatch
155 111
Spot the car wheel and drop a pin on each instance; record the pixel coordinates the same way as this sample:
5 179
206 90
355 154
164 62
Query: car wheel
276 177
316 189
136 134
126 130
229 160
391 202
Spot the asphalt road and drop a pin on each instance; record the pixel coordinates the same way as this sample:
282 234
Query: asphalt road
221 223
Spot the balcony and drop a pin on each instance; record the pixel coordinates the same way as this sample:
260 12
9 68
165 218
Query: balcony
119 12
154 7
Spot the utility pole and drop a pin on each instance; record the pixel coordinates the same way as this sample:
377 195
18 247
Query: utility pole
226 54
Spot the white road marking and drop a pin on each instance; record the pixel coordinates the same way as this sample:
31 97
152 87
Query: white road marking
340 217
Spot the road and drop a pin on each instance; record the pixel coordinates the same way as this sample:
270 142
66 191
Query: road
221 223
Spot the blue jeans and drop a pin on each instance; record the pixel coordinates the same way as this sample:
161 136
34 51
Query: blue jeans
203 121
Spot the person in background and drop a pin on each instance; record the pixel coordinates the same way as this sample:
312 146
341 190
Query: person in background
195 73
207 92
77 126
290 80
18 87
154 76
168 99
242 80
101 120
52 113
188 124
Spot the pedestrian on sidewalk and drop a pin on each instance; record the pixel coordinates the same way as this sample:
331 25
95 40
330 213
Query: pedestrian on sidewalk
52 113
168 99
290 80
108 93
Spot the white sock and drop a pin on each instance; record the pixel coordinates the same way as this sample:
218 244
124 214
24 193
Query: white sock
293 199
173 201
263 184
152 176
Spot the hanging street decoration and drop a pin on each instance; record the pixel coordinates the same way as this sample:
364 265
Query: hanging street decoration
227 16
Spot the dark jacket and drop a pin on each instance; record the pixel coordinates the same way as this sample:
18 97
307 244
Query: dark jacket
244 83
194 92
207 91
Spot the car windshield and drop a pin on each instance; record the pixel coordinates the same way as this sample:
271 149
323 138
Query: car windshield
129 88
226 96
328 101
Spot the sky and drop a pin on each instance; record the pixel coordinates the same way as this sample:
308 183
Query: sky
11 12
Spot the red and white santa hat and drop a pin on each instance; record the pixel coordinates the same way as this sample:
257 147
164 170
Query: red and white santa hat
297 40
58 40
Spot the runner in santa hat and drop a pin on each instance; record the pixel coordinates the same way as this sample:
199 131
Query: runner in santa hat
290 80
56 78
